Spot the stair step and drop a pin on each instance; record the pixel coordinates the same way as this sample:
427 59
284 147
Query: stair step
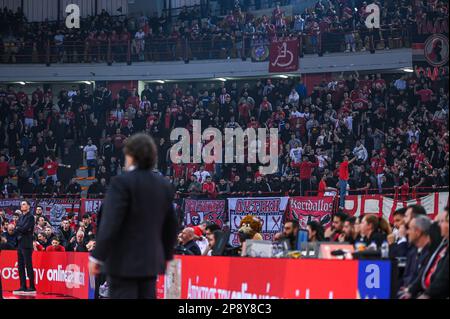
82 173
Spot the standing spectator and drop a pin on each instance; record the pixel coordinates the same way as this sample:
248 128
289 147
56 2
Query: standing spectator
90 156
343 179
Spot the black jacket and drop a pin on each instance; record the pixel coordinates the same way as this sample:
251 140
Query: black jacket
193 247
414 263
24 229
137 233
439 281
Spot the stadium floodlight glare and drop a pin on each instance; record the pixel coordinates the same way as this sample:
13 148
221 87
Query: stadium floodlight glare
87 82
408 70
283 76
160 81
21 83
221 79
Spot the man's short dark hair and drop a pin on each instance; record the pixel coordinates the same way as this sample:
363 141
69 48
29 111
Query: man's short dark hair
417 210
143 150
351 220
341 215
400 211
212 227
295 223
85 216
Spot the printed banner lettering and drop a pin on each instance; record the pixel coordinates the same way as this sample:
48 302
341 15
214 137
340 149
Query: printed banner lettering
197 211
305 209
270 210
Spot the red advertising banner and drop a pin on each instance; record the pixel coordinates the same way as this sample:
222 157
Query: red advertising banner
284 56
305 209
228 278
196 211
54 272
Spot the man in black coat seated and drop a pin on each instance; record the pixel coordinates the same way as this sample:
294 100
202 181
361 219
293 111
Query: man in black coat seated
187 242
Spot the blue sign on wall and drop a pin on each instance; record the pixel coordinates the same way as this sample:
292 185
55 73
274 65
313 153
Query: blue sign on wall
374 279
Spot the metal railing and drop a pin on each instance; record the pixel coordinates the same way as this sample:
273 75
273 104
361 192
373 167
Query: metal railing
196 47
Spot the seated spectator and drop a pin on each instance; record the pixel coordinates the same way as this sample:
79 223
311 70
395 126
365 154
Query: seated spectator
200 240
187 241
418 236
42 241
65 234
315 231
290 232
374 231
433 279
333 232
10 238
348 231
78 243
55 246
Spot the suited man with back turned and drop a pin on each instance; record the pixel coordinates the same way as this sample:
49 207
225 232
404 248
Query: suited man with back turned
137 234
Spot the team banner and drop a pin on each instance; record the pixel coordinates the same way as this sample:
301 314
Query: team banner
358 205
305 209
196 211
56 209
284 56
54 272
270 210
11 205
90 206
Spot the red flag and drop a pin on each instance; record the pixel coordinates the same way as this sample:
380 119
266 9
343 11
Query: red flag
284 56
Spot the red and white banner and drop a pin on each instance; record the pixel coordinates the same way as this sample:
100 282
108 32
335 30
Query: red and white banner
270 210
63 273
357 205
56 209
196 211
90 206
284 56
228 278
305 209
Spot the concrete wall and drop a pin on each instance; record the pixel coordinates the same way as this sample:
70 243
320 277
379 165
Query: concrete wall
381 60
135 7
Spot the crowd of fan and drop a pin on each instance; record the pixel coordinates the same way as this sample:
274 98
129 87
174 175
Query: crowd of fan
329 26
70 235
416 241
393 133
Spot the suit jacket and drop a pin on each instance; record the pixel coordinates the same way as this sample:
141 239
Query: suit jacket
439 281
414 263
138 226
437 289
24 230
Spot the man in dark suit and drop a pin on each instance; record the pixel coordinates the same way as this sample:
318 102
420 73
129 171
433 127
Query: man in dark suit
137 233
433 280
24 230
